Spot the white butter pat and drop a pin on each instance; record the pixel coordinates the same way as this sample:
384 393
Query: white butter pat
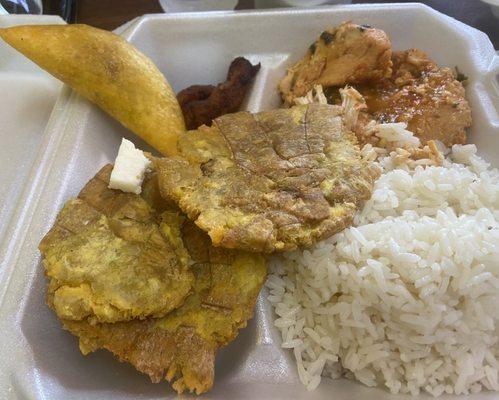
129 169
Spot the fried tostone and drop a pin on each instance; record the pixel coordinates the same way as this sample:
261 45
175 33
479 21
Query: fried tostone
108 260
181 346
271 181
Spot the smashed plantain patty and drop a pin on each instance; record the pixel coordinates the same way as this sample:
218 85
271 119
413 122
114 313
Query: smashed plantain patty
181 346
270 181
107 259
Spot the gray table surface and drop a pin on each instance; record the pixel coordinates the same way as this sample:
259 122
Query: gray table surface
472 12
109 14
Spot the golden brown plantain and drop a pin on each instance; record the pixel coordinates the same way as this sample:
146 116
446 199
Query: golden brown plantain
181 345
108 71
108 260
271 181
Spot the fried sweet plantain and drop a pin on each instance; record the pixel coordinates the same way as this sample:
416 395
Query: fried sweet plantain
270 181
181 345
203 103
108 260
108 71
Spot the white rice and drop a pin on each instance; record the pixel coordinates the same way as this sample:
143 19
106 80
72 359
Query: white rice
407 299
397 134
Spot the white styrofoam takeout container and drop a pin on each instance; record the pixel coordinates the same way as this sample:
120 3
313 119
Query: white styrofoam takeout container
38 360
27 96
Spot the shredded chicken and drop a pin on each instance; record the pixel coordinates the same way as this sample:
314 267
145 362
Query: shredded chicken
316 95
380 139
353 103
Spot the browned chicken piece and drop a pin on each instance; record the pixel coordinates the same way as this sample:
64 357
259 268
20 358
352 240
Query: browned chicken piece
270 181
428 98
223 287
348 54
203 103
